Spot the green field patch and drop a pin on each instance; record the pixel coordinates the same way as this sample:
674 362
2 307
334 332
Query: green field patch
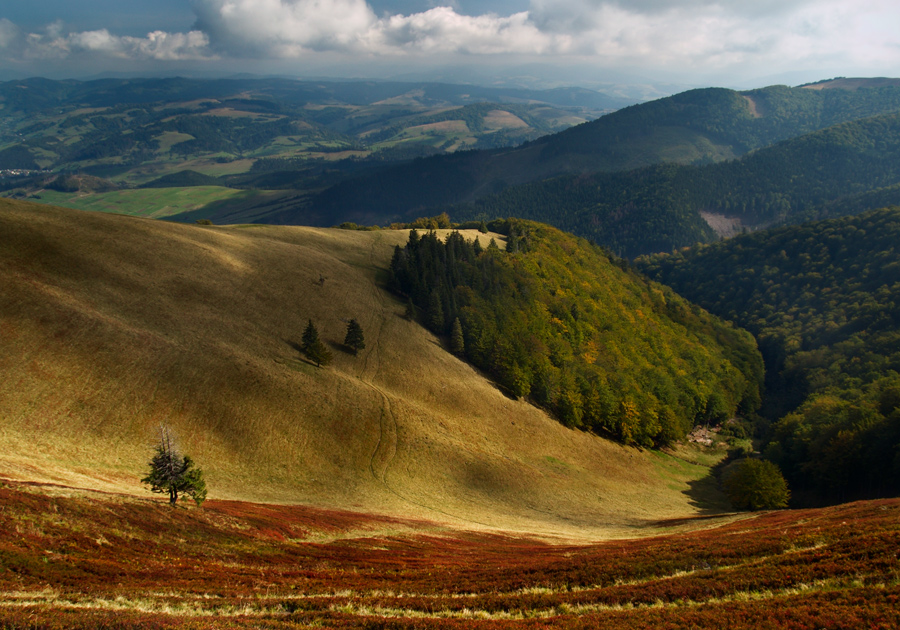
170 139
145 202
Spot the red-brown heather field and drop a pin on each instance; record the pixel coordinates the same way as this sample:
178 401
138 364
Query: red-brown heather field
90 560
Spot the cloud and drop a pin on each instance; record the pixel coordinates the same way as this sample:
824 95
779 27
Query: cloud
157 45
291 28
284 28
442 30
717 34
684 36
10 34
54 43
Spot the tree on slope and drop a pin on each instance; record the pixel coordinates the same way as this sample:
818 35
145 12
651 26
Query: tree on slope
174 474
755 484
457 340
354 338
313 347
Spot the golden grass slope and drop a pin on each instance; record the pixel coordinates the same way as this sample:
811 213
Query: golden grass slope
111 325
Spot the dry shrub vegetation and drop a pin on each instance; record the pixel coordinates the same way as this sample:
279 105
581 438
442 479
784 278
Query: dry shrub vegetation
78 560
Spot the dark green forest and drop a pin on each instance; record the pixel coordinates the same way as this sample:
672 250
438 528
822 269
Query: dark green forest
823 300
691 129
555 319
656 209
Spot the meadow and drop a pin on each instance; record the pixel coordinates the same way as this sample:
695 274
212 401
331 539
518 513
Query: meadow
153 203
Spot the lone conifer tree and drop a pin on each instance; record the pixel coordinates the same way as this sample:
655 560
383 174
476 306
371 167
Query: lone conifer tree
310 336
457 341
313 348
174 474
354 338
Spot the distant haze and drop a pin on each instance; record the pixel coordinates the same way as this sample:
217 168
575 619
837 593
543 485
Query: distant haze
592 43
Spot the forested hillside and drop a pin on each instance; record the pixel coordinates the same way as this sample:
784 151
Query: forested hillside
554 319
847 167
823 300
695 127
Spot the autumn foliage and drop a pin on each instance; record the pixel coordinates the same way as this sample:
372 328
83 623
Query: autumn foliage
109 562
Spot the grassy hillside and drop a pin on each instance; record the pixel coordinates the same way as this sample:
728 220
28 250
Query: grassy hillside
111 325
823 299
79 560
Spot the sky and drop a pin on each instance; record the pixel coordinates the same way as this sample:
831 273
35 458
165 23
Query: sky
729 43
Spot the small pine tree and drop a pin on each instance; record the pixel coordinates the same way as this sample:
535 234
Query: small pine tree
410 312
354 338
457 341
310 336
174 474
313 348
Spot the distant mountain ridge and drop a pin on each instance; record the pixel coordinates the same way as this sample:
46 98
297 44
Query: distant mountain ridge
695 127
843 169
136 130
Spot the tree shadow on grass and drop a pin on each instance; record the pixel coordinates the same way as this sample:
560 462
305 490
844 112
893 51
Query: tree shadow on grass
293 344
706 495
302 358
340 347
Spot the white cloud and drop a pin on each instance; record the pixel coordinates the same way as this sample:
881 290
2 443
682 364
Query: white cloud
285 28
55 43
687 36
442 30
713 35
292 28
10 35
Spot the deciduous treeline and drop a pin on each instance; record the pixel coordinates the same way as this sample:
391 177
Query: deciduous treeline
823 300
554 319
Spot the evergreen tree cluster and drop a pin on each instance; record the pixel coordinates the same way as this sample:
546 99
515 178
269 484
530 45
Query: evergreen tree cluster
823 300
552 318
315 349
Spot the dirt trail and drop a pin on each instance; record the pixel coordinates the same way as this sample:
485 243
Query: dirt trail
385 452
